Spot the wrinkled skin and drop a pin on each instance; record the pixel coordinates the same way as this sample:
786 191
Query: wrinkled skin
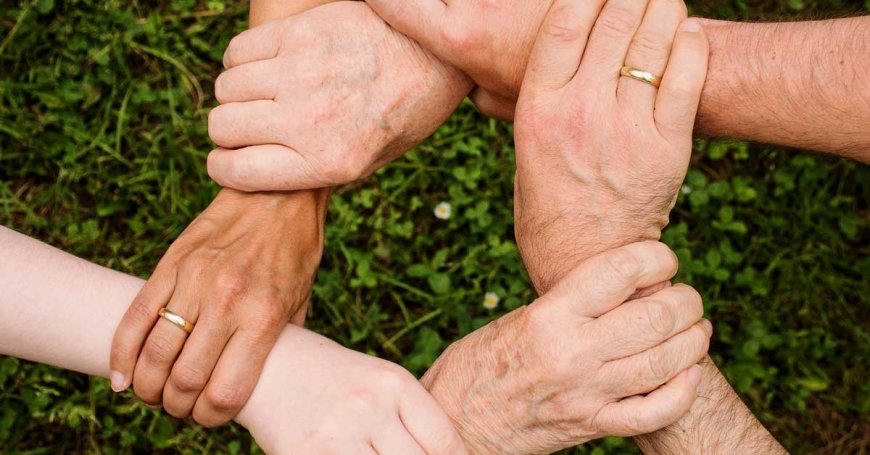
601 158
490 40
240 272
324 98
572 366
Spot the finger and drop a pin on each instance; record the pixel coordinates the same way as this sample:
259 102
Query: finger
649 51
137 323
421 20
162 347
264 168
253 81
242 124
683 82
394 439
191 372
234 377
659 364
645 414
609 41
259 43
605 281
492 105
641 324
559 47
428 424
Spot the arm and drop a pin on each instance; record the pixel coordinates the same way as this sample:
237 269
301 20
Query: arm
799 84
239 272
591 182
69 323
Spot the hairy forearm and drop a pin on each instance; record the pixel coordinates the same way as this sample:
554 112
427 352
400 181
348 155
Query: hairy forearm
798 84
718 423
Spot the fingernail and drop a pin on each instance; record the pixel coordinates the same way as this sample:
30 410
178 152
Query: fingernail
119 383
153 407
691 26
695 375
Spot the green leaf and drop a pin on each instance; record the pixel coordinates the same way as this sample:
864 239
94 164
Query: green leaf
813 384
440 283
440 258
44 6
419 270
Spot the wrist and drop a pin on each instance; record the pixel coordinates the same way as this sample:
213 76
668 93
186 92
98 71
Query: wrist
556 236
717 407
467 396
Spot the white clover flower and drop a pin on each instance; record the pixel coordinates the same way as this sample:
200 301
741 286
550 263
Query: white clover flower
686 189
443 211
490 300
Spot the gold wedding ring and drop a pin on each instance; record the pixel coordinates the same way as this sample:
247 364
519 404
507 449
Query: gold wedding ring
640 75
182 323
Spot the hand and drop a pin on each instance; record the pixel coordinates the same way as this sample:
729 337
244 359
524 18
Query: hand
324 98
573 365
317 397
489 40
239 272
600 158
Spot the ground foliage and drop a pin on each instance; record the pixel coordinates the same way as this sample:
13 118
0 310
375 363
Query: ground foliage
102 145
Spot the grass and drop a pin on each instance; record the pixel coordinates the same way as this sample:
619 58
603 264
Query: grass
102 145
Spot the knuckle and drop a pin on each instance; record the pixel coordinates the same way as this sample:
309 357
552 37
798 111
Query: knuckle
660 365
178 413
225 398
693 300
625 424
538 319
670 260
623 265
392 377
661 319
462 39
363 401
229 285
649 44
564 23
617 20
701 342
265 324
159 349
188 379
140 311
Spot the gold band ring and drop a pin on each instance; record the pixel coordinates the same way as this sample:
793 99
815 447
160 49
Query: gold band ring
640 75
179 321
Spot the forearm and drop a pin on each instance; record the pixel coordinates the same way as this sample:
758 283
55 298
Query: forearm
798 84
718 423
62 311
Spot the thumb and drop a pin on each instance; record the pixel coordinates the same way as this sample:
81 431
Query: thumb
605 281
267 167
